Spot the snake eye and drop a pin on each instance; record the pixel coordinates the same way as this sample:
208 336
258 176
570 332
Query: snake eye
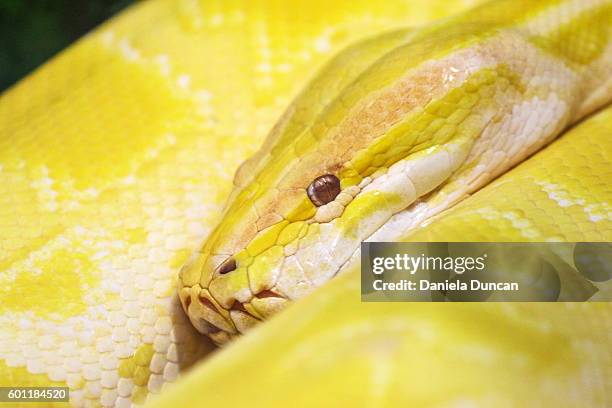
227 266
323 189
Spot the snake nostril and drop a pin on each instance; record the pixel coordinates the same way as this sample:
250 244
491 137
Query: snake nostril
227 266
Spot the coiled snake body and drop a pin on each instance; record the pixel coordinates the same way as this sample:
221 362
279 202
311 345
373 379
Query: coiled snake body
117 156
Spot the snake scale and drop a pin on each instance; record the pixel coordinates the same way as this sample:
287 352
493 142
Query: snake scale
118 155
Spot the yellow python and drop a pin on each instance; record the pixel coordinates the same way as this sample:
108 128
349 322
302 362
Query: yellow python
392 132
117 157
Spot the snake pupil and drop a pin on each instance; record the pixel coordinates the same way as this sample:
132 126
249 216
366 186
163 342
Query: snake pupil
227 266
324 189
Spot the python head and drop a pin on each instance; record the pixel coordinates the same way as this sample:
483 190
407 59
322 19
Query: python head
392 131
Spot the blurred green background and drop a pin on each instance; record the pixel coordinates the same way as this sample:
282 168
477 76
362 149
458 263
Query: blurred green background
32 31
